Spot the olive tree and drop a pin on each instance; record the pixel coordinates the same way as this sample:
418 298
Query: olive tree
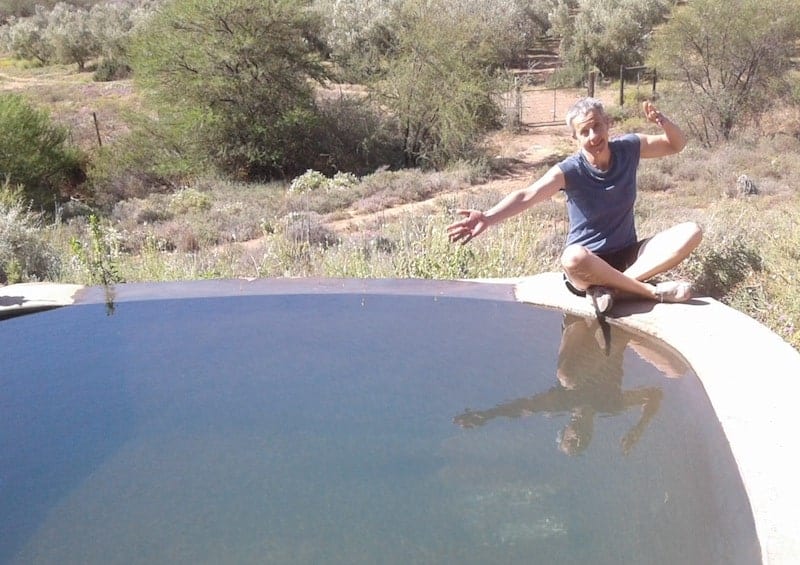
360 33
70 35
729 56
236 78
111 24
26 37
606 34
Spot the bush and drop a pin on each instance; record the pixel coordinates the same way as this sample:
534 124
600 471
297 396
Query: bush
234 81
353 135
34 153
722 263
25 253
111 69
606 35
440 80
314 180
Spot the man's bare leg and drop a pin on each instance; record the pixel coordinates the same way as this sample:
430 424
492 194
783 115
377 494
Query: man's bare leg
585 269
659 254
665 250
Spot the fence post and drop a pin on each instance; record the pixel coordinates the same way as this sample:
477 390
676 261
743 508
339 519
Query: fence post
655 80
97 129
621 85
592 76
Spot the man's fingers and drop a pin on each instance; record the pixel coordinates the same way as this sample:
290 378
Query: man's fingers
463 235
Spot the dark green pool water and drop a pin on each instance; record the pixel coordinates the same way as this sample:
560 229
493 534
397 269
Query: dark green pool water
356 429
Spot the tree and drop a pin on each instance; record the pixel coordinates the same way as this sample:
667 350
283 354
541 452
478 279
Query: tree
729 56
34 153
606 34
26 38
111 24
438 80
70 35
236 77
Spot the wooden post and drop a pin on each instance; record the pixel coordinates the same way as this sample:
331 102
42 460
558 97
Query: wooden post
655 80
592 77
621 85
97 130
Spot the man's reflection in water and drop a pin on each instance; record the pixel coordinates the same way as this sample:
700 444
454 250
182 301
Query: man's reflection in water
590 375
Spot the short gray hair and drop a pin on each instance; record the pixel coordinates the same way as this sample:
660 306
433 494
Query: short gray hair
582 107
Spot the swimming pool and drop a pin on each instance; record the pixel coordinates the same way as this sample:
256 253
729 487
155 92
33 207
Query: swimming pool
355 422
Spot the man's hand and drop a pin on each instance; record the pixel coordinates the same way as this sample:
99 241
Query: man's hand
652 114
473 224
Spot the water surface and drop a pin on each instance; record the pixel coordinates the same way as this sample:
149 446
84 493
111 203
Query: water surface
356 428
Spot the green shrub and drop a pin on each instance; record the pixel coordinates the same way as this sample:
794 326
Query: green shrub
313 180
111 69
98 252
190 200
234 80
723 262
353 135
25 252
308 181
34 153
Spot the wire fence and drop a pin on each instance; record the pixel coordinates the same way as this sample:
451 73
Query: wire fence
528 104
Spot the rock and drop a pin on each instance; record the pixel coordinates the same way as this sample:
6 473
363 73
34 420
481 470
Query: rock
745 186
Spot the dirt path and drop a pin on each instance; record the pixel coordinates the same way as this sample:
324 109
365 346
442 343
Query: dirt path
525 153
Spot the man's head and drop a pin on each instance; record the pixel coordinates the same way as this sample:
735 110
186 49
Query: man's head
582 107
590 126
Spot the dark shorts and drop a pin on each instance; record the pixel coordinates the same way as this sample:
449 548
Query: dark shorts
623 258
620 260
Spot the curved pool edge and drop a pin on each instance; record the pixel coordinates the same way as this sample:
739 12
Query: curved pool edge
25 298
750 375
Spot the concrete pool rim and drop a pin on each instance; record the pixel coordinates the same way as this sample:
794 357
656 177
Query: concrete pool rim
750 375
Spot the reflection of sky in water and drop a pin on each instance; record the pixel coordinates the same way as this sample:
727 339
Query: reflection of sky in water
316 429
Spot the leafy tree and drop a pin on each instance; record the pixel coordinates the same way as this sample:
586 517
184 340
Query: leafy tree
10 9
26 38
111 25
729 56
438 80
360 33
70 35
34 153
236 78
356 33
606 34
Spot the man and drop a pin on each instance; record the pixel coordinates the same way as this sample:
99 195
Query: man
590 374
603 257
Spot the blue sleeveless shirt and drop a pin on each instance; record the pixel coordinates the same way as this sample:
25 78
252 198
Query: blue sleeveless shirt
600 203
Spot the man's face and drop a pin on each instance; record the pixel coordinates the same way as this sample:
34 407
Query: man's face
591 132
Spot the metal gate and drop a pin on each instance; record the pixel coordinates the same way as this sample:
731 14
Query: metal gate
534 105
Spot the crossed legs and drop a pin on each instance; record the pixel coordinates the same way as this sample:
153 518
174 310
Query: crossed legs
660 253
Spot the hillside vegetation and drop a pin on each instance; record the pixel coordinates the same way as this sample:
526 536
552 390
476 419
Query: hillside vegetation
189 163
